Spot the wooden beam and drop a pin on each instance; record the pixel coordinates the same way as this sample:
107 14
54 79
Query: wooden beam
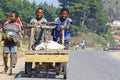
41 26
47 52
46 58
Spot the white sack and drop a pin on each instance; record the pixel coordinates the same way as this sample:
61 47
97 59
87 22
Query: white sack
49 45
54 45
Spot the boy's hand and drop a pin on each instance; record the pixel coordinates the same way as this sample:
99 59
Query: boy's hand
68 25
52 23
4 39
32 23
62 27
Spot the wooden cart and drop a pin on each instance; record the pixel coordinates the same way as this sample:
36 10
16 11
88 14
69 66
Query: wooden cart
52 60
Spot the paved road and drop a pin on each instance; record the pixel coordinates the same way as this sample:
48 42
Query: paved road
85 65
93 65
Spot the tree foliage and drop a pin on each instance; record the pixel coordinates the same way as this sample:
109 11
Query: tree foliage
88 11
25 9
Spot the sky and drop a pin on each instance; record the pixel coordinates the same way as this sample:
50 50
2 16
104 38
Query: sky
54 2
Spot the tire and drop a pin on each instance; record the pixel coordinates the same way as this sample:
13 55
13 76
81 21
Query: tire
65 71
26 68
65 76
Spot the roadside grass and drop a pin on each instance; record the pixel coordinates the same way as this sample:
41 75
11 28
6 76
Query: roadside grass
1 52
21 52
119 54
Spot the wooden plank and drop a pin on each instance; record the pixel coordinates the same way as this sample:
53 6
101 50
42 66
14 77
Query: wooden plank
46 58
31 38
41 26
63 37
47 52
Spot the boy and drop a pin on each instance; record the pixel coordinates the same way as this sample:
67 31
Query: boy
64 21
83 44
10 45
39 34
75 45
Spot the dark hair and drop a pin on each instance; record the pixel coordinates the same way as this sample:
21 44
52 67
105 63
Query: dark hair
64 9
16 13
39 9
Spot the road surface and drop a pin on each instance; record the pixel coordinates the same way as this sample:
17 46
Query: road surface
93 65
82 65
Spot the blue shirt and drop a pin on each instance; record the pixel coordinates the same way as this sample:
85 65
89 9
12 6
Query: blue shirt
64 23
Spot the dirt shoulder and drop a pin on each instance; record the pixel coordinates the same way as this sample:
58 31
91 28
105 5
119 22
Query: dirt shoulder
116 54
16 70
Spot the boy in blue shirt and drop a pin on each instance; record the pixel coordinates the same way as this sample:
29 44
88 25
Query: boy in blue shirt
65 21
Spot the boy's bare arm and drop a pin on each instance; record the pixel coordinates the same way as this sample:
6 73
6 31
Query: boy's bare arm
52 23
68 25
0 29
31 25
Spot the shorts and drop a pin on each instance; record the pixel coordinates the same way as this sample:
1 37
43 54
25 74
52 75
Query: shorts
10 47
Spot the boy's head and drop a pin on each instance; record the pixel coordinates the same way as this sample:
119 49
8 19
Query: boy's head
39 13
13 16
64 13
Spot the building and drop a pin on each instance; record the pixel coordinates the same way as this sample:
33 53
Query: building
115 30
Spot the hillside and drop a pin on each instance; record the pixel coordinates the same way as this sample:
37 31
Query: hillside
94 40
113 9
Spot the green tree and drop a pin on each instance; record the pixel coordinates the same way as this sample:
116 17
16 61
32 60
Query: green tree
92 25
2 16
82 11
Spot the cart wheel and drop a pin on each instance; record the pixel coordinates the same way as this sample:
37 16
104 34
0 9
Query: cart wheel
25 67
65 71
28 67
65 74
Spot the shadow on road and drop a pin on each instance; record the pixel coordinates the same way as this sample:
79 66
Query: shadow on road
22 75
